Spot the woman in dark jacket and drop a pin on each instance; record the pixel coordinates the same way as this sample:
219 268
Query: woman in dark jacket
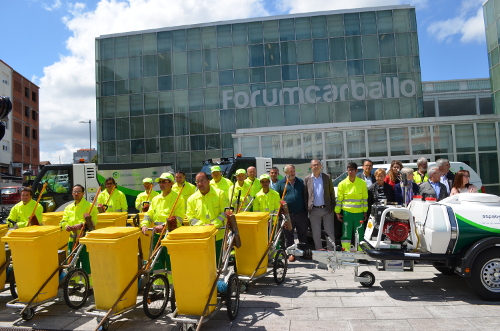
380 190
411 189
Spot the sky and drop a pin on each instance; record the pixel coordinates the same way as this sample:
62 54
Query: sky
51 42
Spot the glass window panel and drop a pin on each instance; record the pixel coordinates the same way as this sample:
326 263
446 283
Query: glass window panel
408 107
313 145
135 85
304 51
121 69
241 76
240 57
355 68
368 23
271 146
306 71
149 43
391 109
164 64
243 118
152 127
196 123
135 45
378 142
226 77
151 103
388 65
405 64
286 29
420 140
179 40
165 83
193 38
256 55
123 147
182 144
227 120
353 48
225 58
195 80
153 158
166 125
136 105
370 46
289 72
209 59
338 68
429 109
358 111
335 25
250 146
107 89
488 168
137 127
180 82
167 145
374 110
399 141
213 141
273 74
275 116
292 145
121 47
109 149
122 106
164 40
271 31
337 49
150 84
464 135
106 70
372 66
308 113
255 32
240 34
486 137
195 99
324 112
211 98
181 103
108 129
443 139
351 23
179 63
292 115
184 162
457 107
208 37
403 44
272 54
386 42
181 124
384 21
211 122
320 50
341 112
257 75
318 26
303 28
288 53
322 70
194 61
223 35
259 117
166 102
401 20
135 67
356 146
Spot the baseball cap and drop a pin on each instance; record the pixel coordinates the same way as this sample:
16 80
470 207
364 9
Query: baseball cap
166 175
215 168
147 180
264 176
241 171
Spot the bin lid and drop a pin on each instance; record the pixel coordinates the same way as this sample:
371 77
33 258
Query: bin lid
250 217
34 231
4 227
192 232
111 215
112 233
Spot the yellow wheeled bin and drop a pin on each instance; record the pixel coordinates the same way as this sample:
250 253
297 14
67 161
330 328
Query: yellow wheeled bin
55 218
113 260
3 255
105 220
34 253
253 230
192 254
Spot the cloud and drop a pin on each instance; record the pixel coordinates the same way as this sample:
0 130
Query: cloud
468 24
56 5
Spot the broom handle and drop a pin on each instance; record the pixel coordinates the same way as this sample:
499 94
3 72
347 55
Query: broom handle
37 202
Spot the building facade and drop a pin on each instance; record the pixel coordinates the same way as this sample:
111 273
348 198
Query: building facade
84 154
337 85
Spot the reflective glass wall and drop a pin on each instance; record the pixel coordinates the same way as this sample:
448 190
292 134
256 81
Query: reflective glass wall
177 95
491 10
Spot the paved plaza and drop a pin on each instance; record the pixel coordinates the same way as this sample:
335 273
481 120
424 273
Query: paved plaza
312 298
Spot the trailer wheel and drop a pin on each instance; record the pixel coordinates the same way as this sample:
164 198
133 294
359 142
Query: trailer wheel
370 282
28 314
233 297
155 297
11 279
485 275
76 288
280 266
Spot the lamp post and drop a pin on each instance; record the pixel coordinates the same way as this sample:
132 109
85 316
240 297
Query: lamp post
90 138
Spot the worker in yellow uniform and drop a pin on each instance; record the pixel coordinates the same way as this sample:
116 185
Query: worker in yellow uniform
112 199
253 181
143 200
180 180
266 199
241 192
20 214
164 211
218 181
352 205
207 206
73 220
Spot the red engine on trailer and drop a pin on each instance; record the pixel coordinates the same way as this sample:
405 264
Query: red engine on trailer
396 230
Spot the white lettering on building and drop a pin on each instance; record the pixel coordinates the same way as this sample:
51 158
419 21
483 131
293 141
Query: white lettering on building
392 88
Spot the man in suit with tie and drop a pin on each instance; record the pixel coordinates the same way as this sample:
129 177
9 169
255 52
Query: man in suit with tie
319 196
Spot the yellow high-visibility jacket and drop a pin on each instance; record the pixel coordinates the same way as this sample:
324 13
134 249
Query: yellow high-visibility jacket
73 214
160 209
352 196
117 203
21 213
142 197
208 209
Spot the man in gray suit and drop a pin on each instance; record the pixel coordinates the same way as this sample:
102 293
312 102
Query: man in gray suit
319 196
433 188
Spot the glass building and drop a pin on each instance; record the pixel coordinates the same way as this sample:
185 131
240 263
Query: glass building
337 85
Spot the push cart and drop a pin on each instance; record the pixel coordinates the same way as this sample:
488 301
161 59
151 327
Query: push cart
196 247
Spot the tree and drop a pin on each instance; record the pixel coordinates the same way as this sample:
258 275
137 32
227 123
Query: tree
94 159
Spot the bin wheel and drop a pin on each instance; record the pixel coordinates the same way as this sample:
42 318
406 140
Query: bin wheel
155 297
485 275
104 325
280 266
233 296
172 300
187 327
12 284
370 282
28 314
76 288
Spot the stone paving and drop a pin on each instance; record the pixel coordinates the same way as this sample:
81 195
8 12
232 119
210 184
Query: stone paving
312 298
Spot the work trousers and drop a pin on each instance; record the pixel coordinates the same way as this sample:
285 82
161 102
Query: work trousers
300 223
163 261
349 226
318 217
83 258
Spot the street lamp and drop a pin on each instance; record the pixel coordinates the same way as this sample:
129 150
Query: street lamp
90 138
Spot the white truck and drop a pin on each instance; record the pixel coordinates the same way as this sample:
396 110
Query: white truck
61 178
458 235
